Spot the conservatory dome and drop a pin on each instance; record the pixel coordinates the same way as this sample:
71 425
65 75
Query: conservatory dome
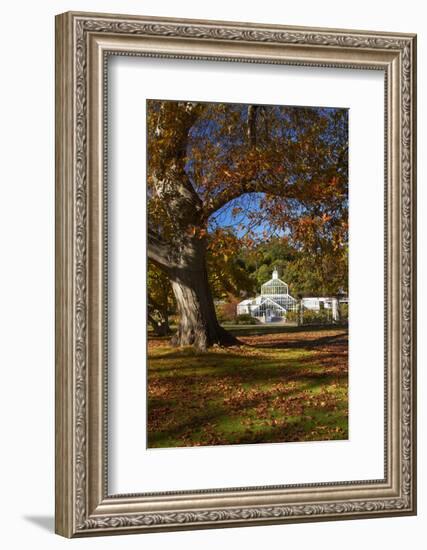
274 287
272 304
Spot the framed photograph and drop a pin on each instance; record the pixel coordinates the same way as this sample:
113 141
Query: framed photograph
235 274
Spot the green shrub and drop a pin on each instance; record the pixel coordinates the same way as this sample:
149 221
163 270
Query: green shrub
292 316
313 317
246 319
344 312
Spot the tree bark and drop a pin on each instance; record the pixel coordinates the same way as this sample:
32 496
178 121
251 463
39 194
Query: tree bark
198 324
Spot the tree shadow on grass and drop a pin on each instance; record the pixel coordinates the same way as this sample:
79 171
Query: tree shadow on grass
261 330
187 433
290 432
303 345
193 394
237 366
340 339
199 420
268 374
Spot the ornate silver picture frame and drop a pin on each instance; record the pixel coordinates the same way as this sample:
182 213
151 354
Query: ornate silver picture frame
84 505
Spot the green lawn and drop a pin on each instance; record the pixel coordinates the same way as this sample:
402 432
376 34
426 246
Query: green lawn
282 384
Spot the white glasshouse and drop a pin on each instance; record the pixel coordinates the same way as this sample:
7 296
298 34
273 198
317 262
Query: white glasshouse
272 304
275 301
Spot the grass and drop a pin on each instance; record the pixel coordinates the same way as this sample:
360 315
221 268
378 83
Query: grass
282 384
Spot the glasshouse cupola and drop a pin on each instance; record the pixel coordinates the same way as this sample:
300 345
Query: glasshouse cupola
274 287
272 304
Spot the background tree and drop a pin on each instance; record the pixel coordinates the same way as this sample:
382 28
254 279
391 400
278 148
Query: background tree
308 272
249 170
227 271
160 300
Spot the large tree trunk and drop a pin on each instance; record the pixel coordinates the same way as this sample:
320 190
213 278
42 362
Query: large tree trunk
198 324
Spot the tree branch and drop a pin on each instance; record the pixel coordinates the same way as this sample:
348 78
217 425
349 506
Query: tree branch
251 124
253 186
168 175
158 251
